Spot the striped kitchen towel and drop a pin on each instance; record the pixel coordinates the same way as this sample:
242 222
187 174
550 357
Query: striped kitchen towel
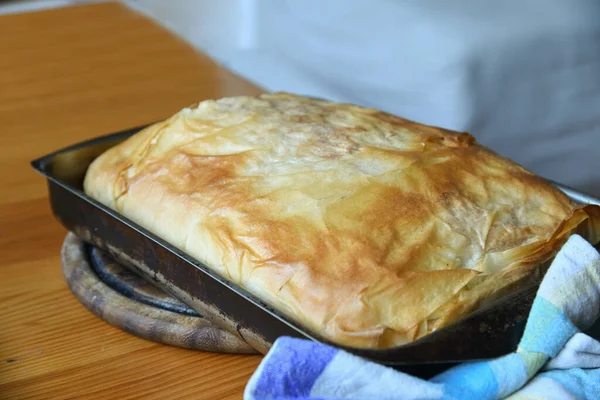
554 359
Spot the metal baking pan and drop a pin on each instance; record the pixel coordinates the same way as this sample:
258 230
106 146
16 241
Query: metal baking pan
489 332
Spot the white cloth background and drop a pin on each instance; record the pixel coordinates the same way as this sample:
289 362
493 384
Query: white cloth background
523 76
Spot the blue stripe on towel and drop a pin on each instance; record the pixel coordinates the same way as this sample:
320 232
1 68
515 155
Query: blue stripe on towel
295 375
547 329
469 381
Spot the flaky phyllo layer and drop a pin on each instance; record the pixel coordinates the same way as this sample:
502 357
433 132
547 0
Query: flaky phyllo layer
367 228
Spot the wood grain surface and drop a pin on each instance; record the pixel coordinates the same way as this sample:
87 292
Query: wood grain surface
152 322
67 75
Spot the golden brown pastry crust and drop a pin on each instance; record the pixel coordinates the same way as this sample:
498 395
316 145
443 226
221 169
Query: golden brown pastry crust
367 228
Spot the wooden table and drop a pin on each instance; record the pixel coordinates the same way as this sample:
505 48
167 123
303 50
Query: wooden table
67 75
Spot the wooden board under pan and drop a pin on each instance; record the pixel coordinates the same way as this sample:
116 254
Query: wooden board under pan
124 299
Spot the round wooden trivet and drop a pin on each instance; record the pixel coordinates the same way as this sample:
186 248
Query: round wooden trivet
127 301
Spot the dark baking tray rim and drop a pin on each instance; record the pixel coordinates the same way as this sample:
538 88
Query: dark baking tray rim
480 329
